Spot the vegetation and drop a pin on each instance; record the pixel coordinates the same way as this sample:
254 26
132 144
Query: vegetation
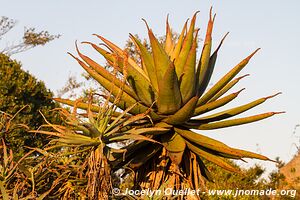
20 91
137 127
91 139
170 88
31 38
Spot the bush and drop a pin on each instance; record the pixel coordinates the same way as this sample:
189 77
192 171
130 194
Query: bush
20 89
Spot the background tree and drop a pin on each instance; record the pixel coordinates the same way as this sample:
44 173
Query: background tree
18 89
248 179
31 37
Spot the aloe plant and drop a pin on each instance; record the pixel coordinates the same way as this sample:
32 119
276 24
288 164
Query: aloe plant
86 144
171 87
15 180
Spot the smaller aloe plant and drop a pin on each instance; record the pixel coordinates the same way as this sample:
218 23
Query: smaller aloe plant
15 180
89 141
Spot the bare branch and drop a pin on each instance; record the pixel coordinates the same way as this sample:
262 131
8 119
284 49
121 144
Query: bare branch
6 25
31 38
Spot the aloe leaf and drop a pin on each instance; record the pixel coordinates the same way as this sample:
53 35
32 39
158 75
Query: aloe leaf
206 142
106 54
233 111
224 80
94 132
160 57
248 154
203 169
141 86
142 157
175 146
70 138
227 87
136 117
111 152
125 99
186 46
179 43
107 75
77 142
111 58
83 106
169 97
138 109
110 86
120 52
128 136
169 44
213 158
150 131
236 156
228 123
162 124
47 133
215 104
147 60
136 77
130 151
183 114
188 78
243 154
204 79
71 142
204 68
5 157
117 120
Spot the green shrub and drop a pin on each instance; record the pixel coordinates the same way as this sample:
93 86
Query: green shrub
18 89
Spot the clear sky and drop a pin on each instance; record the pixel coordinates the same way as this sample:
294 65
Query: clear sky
271 25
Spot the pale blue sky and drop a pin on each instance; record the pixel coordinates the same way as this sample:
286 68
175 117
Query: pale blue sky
271 25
